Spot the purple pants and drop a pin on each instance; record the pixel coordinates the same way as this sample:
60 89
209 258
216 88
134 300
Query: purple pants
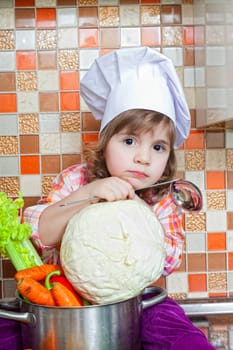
164 327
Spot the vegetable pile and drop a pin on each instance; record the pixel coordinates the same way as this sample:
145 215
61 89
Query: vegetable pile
39 283
46 285
111 251
14 236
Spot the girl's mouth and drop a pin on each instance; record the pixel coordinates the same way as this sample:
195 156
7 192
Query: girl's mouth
138 174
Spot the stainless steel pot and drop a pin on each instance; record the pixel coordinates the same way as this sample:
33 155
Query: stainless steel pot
100 327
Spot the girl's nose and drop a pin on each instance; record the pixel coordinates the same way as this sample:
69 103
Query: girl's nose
142 157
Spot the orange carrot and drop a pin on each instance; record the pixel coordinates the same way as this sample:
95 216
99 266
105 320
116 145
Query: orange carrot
63 296
35 292
38 273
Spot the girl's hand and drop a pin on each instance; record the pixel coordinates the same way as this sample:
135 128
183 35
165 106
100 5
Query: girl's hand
110 189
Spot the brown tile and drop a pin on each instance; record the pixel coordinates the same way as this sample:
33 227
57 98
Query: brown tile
66 2
193 118
70 159
230 180
171 14
182 267
50 164
8 270
7 82
215 139
88 17
230 220
110 38
48 102
89 123
25 18
47 60
30 201
29 144
196 262
129 2
188 56
161 282
216 261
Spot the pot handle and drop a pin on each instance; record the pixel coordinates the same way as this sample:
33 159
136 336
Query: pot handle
158 295
7 313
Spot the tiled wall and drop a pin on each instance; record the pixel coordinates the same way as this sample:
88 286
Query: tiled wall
45 48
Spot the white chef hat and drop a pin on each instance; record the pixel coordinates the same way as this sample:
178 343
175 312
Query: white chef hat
135 78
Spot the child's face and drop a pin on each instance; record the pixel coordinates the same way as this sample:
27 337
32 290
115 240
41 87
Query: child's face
139 159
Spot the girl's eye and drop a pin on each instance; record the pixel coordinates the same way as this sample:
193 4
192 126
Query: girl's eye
129 141
159 148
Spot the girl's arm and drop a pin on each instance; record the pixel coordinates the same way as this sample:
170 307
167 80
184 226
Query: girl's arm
53 219
171 219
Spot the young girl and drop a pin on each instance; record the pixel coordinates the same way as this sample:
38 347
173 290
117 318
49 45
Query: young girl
144 116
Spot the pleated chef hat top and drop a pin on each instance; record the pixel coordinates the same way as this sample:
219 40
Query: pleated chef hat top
135 78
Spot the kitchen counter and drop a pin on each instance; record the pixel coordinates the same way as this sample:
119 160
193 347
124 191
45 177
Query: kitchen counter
204 307
214 317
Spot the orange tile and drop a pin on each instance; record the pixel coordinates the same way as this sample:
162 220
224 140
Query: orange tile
25 60
69 101
8 103
217 241
29 165
45 18
195 140
217 295
188 36
69 80
215 180
230 261
151 36
20 3
197 283
89 138
88 37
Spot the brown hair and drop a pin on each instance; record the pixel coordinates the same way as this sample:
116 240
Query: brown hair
134 121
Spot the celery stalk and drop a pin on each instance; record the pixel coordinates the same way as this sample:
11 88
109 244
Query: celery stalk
15 236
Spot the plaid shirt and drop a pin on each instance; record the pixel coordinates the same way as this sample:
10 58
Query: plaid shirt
74 177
